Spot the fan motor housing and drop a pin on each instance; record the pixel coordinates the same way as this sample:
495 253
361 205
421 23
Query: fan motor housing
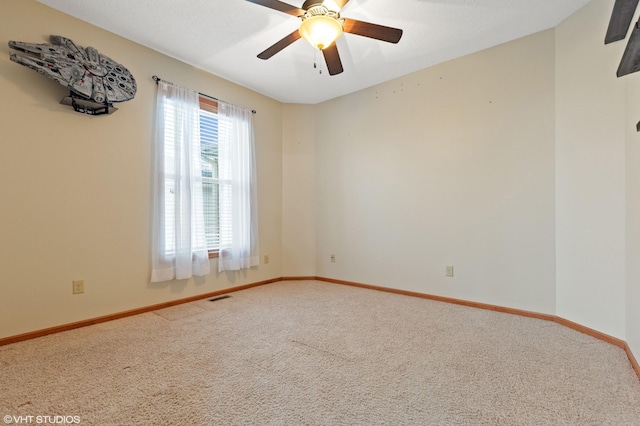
320 10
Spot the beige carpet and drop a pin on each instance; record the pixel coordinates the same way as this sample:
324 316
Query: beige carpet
313 353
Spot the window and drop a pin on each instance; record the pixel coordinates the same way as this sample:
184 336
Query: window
179 249
210 176
204 180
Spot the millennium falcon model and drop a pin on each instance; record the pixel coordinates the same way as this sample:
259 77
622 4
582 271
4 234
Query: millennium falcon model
89 74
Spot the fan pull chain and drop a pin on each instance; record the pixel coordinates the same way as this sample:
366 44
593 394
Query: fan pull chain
315 61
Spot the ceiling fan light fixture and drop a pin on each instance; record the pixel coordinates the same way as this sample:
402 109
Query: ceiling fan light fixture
322 29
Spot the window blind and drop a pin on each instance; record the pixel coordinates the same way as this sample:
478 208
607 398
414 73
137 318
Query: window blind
210 183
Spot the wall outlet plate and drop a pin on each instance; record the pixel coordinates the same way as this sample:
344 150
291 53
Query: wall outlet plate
78 286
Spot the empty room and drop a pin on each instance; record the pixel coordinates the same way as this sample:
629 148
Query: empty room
425 213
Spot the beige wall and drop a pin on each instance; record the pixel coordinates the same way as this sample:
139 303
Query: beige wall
299 207
451 165
75 189
632 154
598 179
590 170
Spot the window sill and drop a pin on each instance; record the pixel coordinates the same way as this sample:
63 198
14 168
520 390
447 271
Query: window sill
214 254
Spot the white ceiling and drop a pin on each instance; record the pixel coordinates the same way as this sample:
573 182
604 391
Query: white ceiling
223 37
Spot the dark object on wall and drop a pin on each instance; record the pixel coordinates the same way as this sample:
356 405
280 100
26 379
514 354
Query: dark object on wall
95 80
86 106
623 11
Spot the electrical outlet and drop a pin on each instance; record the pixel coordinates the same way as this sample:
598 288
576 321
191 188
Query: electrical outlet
333 258
78 286
449 271
266 258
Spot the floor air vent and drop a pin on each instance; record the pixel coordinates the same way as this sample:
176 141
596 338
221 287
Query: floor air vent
215 299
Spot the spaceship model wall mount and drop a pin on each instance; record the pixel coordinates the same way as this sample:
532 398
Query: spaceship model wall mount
94 80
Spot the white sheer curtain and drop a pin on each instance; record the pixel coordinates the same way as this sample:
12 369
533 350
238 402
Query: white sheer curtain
238 196
179 248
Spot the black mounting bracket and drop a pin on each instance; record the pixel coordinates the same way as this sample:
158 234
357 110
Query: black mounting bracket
86 106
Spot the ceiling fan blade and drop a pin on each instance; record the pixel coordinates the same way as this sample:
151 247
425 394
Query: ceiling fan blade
280 6
623 11
366 29
278 46
332 58
631 58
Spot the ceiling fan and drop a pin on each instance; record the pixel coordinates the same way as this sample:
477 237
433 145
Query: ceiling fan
623 11
321 25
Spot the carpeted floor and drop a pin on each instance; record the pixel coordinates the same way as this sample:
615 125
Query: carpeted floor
314 353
